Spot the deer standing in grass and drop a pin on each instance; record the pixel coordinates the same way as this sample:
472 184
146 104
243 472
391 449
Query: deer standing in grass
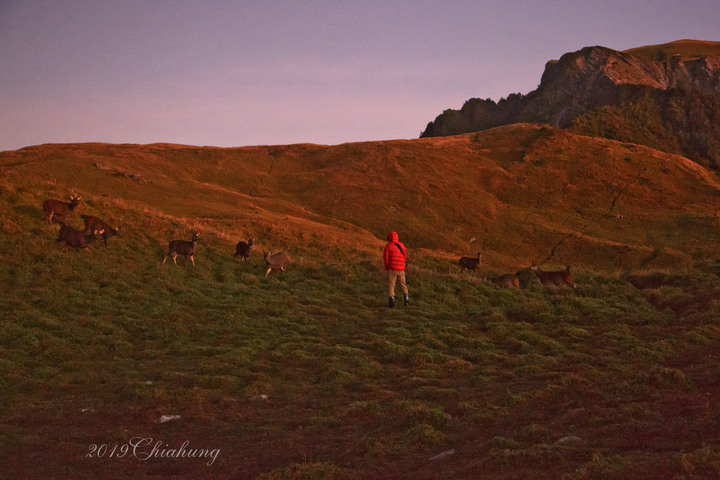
184 248
277 261
470 263
242 249
554 277
59 209
95 226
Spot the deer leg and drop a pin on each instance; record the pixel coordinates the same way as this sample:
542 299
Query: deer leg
268 272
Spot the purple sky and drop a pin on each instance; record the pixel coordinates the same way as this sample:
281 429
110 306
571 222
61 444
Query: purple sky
234 73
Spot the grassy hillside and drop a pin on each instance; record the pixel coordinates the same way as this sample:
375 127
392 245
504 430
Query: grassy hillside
308 375
515 192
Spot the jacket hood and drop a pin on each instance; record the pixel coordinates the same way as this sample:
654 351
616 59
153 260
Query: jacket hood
392 237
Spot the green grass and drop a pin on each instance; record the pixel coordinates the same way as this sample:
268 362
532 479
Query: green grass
308 375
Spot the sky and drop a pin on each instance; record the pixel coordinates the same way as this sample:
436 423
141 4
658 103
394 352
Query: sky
268 72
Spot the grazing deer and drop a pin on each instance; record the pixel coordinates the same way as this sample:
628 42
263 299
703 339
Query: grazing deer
555 278
95 226
277 261
470 263
74 238
59 209
242 249
509 280
184 248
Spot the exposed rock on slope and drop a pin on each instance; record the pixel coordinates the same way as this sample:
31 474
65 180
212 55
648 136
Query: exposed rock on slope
672 105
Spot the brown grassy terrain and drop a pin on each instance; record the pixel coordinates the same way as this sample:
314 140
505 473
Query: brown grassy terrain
517 191
308 375
678 50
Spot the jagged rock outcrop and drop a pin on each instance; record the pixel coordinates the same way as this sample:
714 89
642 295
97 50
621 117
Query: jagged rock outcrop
604 92
598 76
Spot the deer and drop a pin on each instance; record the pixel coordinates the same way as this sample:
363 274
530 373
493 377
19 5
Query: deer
59 209
184 248
95 226
74 238
277 261
555 277
509 280
470 263
242 249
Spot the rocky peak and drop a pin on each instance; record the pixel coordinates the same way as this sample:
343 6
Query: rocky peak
596 76
584 81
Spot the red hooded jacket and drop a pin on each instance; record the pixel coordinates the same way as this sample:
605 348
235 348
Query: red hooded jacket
395 253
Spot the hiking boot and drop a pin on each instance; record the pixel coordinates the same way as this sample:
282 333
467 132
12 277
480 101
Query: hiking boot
391 303
407 300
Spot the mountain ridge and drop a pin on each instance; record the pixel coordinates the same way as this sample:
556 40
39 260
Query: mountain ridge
599 91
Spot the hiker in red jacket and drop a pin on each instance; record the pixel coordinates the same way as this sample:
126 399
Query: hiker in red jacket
395 257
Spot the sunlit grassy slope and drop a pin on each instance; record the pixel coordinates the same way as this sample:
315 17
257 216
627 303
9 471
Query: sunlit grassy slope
308 375
515 192
678 50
